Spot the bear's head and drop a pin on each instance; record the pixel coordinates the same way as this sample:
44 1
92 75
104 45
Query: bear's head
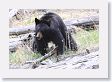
41 26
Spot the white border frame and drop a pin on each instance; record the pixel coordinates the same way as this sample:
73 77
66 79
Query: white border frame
102 72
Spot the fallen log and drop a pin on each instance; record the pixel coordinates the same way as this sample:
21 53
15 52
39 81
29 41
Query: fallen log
37 62
89 61
65 62
20 40
92 20
83 21
21 30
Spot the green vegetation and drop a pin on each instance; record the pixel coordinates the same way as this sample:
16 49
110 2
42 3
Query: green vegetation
22 55
87 39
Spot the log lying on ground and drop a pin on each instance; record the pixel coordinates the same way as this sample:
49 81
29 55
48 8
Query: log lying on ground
21 30
37 62
68 61
87 61
92 20
14 42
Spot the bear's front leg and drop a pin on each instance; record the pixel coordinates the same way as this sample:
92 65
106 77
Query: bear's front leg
42 45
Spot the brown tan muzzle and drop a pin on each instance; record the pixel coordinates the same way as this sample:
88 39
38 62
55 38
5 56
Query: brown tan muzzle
39 36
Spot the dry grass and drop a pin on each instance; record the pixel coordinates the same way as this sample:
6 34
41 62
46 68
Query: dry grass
87 39
23 54
65 14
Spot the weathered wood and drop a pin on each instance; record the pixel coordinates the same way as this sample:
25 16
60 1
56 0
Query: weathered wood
21 30
77 22
14 42
37 62
83 21
82 60
88 61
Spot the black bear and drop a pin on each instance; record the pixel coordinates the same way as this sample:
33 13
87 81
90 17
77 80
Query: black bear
50 27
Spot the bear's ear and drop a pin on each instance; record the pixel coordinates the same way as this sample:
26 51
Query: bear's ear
36 21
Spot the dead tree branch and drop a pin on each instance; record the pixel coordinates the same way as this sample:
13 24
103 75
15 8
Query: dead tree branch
37 62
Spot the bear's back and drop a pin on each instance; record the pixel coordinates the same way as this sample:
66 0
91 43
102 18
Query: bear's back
50 16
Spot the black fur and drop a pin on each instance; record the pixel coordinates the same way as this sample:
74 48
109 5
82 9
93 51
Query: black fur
53 29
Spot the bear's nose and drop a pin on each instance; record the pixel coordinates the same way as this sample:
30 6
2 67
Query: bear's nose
38 38
39 35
